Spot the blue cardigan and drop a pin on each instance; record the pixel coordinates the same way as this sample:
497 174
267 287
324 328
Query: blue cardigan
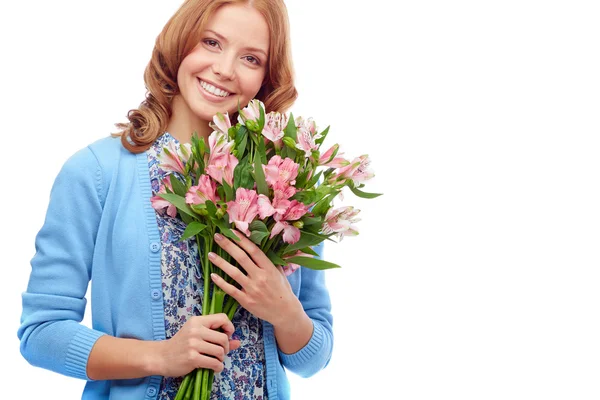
100 226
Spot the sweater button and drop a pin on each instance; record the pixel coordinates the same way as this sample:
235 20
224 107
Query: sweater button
155 293
154 247
151 391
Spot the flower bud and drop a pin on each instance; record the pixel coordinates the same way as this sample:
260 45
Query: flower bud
298 224
252 125
220 213
289 142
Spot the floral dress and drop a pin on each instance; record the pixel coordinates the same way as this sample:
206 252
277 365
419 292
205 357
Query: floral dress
243 376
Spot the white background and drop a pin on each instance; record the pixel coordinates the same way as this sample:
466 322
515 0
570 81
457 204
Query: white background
475 276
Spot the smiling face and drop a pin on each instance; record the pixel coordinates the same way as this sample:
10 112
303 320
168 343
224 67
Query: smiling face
227 65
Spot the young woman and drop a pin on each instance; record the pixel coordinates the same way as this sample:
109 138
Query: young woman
147 329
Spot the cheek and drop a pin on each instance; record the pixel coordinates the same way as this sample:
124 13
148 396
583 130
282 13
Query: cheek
250 83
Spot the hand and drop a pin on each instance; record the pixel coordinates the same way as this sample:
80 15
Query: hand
265 292
198 344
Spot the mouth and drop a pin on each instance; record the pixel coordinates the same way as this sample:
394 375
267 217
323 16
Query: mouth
213 89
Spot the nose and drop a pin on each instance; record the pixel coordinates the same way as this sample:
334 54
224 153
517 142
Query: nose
224 67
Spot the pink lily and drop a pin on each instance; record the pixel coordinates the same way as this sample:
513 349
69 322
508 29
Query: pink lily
251 112
218 143
275 123
278 170
295 211
205 190
328 159
173 160
159 204
221 123
306 135
243 209
357 171
280 204
341 220
221 167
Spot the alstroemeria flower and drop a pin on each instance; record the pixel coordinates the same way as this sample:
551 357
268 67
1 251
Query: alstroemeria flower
205 190
295 211
243 209
218 143
341 220
278 170
221 123
357 171
275 123
251 112
173 160
306 135
159 204
222 167
326 159
280 204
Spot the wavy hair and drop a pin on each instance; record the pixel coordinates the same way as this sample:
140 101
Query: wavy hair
178 38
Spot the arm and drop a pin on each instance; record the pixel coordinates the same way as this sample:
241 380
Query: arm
318 337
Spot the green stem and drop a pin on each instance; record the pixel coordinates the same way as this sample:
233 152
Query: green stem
197 383
188 392
183 387
232 310
206 273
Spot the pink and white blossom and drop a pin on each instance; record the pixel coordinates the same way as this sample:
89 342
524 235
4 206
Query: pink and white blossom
205 190
159 204
275 123
358 171
340 221
243 209
328 160
278 170
221 123
251 112
173 159
221 167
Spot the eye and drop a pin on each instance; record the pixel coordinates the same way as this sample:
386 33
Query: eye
210 42
253 60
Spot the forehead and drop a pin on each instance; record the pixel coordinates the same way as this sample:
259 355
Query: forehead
241 25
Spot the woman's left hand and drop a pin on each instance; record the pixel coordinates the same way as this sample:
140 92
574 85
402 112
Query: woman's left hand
265 290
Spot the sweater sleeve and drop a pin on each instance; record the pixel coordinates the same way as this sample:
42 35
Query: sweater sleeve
314 296
51 333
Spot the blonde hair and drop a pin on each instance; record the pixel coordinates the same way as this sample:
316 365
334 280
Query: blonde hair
177 39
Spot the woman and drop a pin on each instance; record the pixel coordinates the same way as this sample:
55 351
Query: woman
147 329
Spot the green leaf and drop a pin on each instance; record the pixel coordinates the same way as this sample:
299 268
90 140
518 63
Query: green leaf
258 225
323 136
311 220
306 239
211 208
309 250
259 175
242 176
307 197
275 259
178 186
312 263
290 129
314 180
192 230
228 191
323 205
179 202
262 151
261 120
258 236
364 195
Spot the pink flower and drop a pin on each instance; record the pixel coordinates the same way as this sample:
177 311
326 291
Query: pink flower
278 170
243 209
159 204
274 126
251 112
306 135
295 211
218 143
357 171
280 203
205 190
341 220
328 160
221 123
173 160
221 167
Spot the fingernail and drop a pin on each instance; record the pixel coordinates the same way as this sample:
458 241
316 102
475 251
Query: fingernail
212 255
218 236
214 276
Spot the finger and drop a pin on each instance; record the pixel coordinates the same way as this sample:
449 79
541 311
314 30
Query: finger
214 350
216 321
234 345
217 338
237 253
229 289
250 248
229 269
202 361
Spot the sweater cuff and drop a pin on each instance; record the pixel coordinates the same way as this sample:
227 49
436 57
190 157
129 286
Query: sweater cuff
305 354
79 352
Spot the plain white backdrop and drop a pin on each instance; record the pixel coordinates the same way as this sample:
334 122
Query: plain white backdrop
474 277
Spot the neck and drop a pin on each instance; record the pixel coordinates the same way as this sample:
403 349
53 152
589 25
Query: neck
183 123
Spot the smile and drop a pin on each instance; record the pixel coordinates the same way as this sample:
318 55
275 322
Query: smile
213 90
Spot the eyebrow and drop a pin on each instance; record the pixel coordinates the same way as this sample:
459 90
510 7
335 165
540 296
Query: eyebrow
223 38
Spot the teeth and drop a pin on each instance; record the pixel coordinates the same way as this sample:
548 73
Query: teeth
211 89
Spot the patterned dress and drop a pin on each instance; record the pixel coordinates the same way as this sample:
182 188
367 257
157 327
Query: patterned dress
243 377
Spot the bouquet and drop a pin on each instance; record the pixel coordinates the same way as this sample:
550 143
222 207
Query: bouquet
267 177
